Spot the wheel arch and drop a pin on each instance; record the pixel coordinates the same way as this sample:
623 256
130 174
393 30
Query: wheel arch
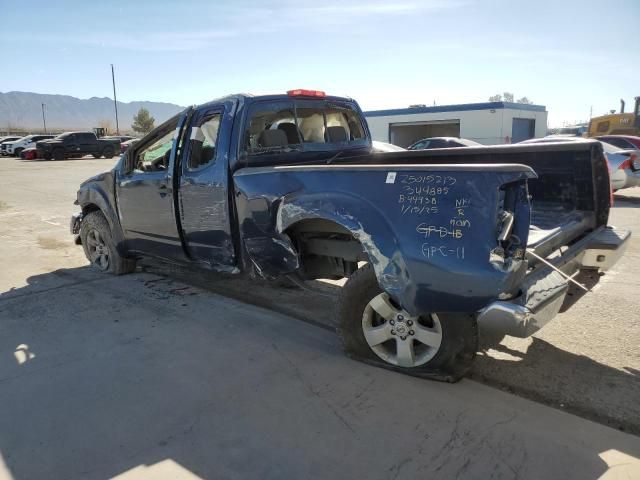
359 221
94 200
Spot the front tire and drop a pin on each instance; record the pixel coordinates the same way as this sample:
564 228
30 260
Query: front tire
374 329
99 247
17 152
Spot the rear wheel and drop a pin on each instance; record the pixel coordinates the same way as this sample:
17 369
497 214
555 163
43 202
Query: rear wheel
375 329
58 154
99 247
108 152
96 155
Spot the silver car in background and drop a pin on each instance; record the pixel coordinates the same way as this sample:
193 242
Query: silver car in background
624 165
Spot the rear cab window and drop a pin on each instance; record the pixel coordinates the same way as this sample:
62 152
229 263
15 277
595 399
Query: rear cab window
279 127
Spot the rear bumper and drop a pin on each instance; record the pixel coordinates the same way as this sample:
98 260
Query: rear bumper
544 289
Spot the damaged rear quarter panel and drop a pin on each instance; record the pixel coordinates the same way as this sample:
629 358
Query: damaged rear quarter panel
428 230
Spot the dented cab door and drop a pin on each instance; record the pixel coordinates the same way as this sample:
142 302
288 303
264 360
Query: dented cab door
203 201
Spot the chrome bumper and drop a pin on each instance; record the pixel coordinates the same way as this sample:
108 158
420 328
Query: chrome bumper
544 289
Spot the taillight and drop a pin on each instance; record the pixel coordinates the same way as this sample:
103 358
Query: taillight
628 163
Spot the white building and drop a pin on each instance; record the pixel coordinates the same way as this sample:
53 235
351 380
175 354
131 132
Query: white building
489 123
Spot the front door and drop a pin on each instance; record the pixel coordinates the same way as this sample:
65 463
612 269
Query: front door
145 193
203 187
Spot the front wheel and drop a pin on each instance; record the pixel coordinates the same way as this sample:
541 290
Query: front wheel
375 329
17 152
99 247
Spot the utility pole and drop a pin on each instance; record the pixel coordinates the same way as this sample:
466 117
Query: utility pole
44 121
115 101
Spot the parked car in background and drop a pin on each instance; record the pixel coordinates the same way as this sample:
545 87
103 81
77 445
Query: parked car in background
121 138
30 153
3 144
624 165
77 144
442 142
125 145
570 131
382 147
14 147
626 142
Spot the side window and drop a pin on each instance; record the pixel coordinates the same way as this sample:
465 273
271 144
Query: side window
603 126
155 157
203 140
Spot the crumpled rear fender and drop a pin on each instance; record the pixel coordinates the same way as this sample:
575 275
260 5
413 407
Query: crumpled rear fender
441 259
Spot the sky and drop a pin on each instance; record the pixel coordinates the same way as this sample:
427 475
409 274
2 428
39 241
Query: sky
572 56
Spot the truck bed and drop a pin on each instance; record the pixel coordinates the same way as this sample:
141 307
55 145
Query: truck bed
569 198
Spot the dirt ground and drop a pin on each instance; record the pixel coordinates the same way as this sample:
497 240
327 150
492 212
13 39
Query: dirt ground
586 361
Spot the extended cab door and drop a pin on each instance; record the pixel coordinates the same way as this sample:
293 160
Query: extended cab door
72 143
145 196
203 187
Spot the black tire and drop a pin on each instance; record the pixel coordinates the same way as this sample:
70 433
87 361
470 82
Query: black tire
96 155
17 152
454 356
108 151
93 223
58 154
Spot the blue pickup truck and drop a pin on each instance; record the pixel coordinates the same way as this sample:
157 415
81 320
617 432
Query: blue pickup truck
433 243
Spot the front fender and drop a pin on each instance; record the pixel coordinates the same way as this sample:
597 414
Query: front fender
98 191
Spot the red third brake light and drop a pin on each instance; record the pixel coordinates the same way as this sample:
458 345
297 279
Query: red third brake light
301 92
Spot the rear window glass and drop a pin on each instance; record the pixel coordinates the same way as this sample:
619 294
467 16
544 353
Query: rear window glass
296 126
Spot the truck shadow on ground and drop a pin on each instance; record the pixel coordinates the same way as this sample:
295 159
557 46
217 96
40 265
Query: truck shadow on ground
543 373
110 362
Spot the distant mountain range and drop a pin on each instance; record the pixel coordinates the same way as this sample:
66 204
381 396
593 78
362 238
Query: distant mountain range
22 111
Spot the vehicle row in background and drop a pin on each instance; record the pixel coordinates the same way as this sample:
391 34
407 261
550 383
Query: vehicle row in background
65 145
4 142
624 165
14 147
